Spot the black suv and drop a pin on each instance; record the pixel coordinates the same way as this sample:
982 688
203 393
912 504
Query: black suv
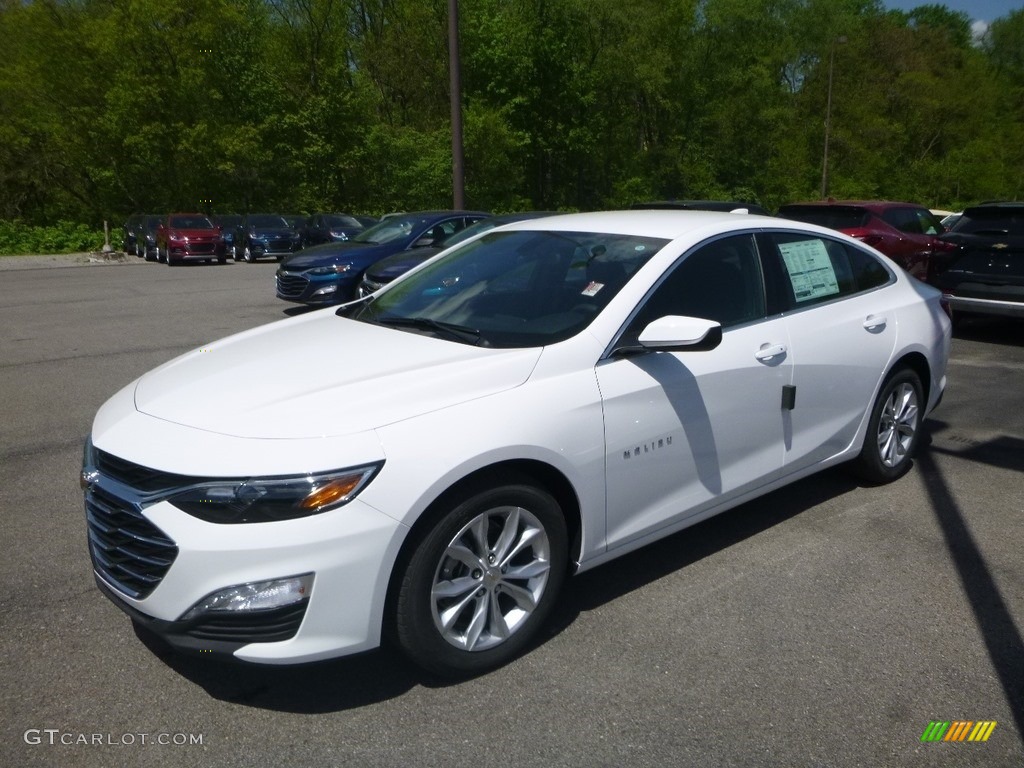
984 274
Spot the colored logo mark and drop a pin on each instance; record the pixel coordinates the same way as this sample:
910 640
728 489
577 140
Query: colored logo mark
958 730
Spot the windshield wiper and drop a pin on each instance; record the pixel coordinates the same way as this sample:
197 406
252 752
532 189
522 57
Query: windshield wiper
459 332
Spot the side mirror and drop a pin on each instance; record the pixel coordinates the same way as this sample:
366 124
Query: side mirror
674 333
423 242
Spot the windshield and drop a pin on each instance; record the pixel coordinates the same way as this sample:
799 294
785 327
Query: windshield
342 221
191 222
267 220
512 289
391 229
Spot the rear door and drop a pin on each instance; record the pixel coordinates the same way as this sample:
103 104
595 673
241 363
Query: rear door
842 331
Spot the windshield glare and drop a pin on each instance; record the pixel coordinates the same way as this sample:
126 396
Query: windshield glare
395 228
516 289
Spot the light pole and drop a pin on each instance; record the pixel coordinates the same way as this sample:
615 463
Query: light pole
828 116
455 87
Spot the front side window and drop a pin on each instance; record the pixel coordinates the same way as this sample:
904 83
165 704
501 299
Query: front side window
513 289
719 281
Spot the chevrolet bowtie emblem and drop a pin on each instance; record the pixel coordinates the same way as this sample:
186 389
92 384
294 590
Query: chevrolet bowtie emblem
1000 246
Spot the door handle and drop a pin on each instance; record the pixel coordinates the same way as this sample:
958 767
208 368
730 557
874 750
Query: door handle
768 352
875 322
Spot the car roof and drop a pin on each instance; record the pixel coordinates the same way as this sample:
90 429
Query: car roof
668 224
701 205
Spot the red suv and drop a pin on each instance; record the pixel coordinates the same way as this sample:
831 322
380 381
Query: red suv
906 233
185 237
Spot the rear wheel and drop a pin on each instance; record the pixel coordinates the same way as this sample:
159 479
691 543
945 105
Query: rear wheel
482 580
893 429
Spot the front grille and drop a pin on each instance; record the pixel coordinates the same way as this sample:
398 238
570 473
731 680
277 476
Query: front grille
267 626
201 248
291 286
139 477
128 551
284 245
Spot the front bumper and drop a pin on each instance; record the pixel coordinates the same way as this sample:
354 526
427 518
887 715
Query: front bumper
350 551
276 248
983 306
195 251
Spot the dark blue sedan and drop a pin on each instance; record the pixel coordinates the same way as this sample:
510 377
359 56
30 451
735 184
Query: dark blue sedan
330 274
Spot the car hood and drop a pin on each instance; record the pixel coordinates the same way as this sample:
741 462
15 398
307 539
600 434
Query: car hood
321 375
400 263
197 233
326 255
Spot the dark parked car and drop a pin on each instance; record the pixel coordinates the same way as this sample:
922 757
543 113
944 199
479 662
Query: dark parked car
145 241
386 270
265 234
330 228
185 237
130 233
984 273
906 233
330 274
229 224
701 205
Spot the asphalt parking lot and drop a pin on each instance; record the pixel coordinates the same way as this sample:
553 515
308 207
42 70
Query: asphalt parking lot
826 624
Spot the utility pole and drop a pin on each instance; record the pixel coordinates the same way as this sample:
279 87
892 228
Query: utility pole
455 87
828 117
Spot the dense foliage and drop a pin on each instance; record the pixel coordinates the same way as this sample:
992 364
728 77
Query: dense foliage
114 106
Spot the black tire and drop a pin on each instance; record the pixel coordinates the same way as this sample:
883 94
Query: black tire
248 255
894 429
222 259
510 595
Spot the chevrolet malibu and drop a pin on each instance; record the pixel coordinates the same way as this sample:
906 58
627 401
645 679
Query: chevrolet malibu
530 404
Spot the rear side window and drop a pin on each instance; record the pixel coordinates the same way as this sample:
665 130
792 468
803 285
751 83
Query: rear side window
913 221
814 270
993 221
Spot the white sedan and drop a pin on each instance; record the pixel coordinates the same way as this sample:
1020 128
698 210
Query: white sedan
430 462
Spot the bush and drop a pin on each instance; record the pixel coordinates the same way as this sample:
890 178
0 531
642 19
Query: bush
61 237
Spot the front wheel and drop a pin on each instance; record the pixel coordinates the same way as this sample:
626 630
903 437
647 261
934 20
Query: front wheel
248 255
893 429
482 580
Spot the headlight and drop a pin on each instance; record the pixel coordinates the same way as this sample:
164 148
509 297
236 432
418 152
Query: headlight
335 269
267 499
175 237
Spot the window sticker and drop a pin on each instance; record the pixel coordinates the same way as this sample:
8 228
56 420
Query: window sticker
810 269
593 288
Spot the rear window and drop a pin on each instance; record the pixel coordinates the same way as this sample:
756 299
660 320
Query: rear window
831 216
992 221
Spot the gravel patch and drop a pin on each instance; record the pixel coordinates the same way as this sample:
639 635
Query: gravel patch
68 260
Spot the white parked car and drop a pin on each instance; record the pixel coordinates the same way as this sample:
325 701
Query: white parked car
428 464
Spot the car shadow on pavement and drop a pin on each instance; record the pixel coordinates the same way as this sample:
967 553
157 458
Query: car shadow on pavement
609 582
991 330
376 676
326 686
1000 634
